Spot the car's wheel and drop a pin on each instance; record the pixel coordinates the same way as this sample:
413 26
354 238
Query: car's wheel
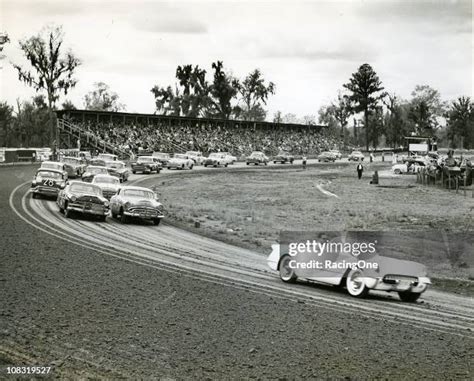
287 274
397 171
67 212
102 218
34 195
182 166
408 296
248 163
123 217
61 209
134 172
265 163
169 167
114 215
205 165
191 167
355 284
274 162
156 221
226 165
215 165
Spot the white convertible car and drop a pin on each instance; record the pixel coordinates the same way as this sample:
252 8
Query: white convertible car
410 167
358 276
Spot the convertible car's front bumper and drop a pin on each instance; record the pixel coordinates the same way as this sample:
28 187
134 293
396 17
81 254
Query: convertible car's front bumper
45 191
96 210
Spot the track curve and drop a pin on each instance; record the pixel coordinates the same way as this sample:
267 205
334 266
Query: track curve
178 251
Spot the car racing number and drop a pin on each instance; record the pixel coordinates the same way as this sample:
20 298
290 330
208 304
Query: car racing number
49 182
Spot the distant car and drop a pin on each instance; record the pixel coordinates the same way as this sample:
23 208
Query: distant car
231 159
356 156
216 159
409 167
108 183
85 156
408 278
257 158
82 198
107 157
336 153
283 158
326 157
98 162
136 202
48 182
93 170
180 161
163 157
118 169
196 156
58 166
74 166
146 164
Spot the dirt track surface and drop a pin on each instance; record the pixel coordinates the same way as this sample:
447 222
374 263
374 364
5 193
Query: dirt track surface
77 307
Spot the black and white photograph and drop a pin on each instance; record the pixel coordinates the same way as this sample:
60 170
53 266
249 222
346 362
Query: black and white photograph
236 190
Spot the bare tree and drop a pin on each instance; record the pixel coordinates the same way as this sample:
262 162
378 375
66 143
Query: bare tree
52 71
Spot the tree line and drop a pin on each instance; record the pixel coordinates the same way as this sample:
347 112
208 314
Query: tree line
385 118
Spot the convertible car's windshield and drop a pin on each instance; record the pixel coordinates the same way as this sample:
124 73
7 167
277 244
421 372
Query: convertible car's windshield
138 193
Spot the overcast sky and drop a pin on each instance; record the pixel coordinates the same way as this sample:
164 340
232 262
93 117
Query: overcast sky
308 49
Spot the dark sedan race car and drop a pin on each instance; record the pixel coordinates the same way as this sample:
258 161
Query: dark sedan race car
136 202
283 158
83 198
48 182
147 164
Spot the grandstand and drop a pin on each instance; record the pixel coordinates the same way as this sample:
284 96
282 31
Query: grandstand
127 134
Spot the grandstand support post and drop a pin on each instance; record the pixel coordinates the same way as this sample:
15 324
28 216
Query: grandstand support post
457 184
465 182
449 182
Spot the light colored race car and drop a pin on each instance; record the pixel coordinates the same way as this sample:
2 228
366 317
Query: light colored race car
163 157
93 170
74 166
108 183
409 167
136 202
356 156
336 153
326 156
118 169
257 158
407 278
146 164
48 182
56 165
106 157
82 198
216 159
231 159
180 161
196 156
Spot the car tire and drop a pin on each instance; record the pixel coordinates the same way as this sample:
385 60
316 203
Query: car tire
205 165
123 218
191 167
67 212
356 287
169 167
226 165
287 274
182 166
61 209
156 221
397 171
102 218
248 163
34 195
274 162
134 172
409 297
114 215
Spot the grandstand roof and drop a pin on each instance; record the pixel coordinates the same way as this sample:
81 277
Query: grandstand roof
101 115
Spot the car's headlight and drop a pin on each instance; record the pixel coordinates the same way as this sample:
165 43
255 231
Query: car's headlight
73 198
106 204
126 205
33 183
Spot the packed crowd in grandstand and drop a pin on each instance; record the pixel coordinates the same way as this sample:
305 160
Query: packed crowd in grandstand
238 139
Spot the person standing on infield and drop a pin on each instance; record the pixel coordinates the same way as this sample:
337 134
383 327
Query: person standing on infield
360 169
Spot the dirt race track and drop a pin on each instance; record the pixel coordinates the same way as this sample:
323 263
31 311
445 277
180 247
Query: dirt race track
106 300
